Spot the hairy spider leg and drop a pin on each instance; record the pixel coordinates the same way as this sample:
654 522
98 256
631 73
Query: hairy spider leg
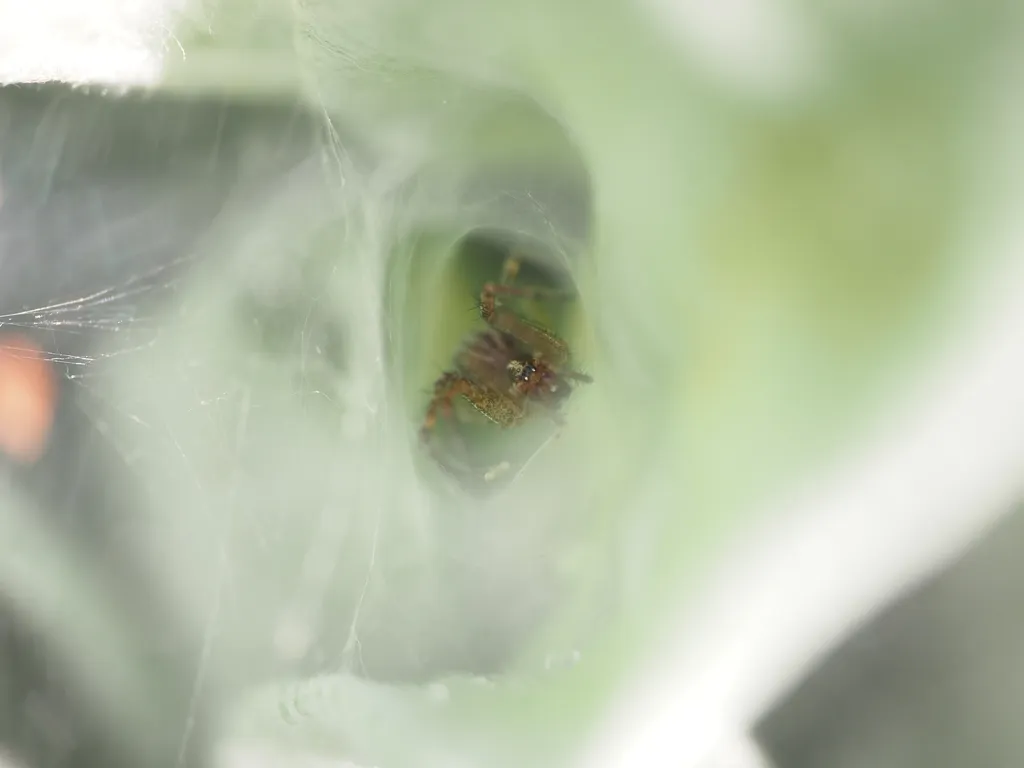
496 406
546 344
491 291
509 272
448 386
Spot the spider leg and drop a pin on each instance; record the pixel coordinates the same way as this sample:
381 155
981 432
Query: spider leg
579 376
509 271
499 408
491 291
449 386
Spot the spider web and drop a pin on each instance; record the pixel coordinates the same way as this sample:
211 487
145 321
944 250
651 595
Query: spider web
227 341
233 310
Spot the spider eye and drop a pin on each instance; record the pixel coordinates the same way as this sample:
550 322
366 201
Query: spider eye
520 372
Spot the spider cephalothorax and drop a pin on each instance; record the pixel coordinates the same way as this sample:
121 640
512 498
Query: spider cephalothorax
534 379
509 369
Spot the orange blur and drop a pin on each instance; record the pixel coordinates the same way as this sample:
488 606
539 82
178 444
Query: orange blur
28 398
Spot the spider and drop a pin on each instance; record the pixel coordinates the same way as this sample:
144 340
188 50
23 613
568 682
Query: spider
509 367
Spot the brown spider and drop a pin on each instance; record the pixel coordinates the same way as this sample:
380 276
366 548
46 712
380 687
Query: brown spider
507 368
